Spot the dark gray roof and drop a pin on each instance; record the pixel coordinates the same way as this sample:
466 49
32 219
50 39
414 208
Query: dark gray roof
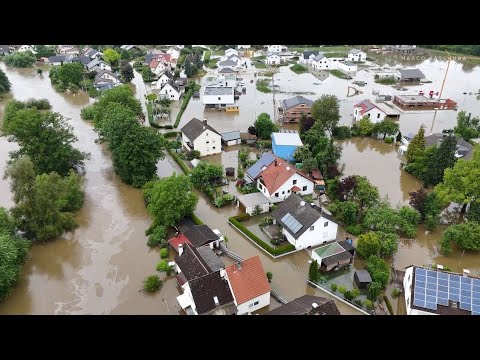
100 73
411 74
186 222
256 169
215 90
190 264
294 101
4 49
307 53
204 290
304 306
306 215
57 58
91 52
81 59
210 258
363 276
253 199
200 235
355 51
227 63
168 74
345 255
463 147
226 70
194 128
320 56
229 57
231 135
93 63
344 243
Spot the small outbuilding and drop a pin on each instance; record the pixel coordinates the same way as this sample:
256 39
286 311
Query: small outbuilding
362 278
231 138
249 202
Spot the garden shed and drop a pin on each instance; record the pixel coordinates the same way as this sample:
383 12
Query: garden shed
362 278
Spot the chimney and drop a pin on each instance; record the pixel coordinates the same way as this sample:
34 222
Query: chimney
302 203
466 272
205 121
439 267
276 162
288 168
215 299
180 249
314 305
239 266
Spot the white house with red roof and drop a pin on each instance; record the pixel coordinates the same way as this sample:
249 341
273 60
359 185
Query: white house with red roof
249 285
367 108
157 66
280 179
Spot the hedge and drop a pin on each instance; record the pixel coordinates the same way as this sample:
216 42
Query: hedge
273 251
186 99
170 134
197 220
389 305
179 161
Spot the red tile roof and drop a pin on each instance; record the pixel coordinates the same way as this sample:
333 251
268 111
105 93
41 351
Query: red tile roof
279 171
366 106
295 188
177 240
154 63
317 174
249 282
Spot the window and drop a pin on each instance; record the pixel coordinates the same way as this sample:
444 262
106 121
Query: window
213 148
312 228
378 115
253 304
289 191
283 192
219 98
276 194
208 142
294 182
325 224
304 188
260 186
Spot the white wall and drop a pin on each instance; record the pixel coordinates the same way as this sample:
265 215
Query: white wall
284 190
323 63
272 60
26 48
159 69
214 140
275 48
319 235
218 99
345 67
263 300
361 56
263 208
234 142
169 92
375 115
186 290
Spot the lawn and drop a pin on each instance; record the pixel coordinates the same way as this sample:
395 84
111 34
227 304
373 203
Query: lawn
339 74
386 81
262 86
298 69
336 54
259 64
320 48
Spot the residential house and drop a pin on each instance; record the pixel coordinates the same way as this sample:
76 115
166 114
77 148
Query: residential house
157 66
82 59
105 79
171 91
178 242
276 48
369 109
335 255
320 62
92 53
307 57
248 138
303 224
98 65
410 75
436 292
463 149
198 135
385 74
280 179
421 102
226 70
294 107
251 203
68 50
347 66
357 55
147 59
401 48
231 138
285 143
130 48
22 48
202 235
4 50
232 64
272 59
213 95
249 285
173 52
201 276
57 60
244 46
166 77
231 51
254 171
307 305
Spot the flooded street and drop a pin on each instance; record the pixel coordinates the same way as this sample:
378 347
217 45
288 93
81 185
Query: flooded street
99 268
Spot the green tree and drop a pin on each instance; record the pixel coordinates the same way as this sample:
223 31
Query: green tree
152 283
164 253
473 213
388 243
170 199
309 164
157 235
409 219
365 195
204 173
418 201
386 127
4 83
466 236
419 167
305 123
111 56
116 121
20 59
378 270
365 126
126 71
382 218
41 203
135 159
13 251
125 54
44 51
313 274
164 267
444 158
368 244
66 75
326 112
301 153
433 209
460 183
147 74
416 146
269 276
46 137
468 127
7 222
122 95
347 211
374 291
264 127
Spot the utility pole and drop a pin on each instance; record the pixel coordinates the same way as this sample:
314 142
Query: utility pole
441 91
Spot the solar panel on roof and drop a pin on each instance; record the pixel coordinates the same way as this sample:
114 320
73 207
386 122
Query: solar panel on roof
420 271
432 286
419 302
465 306
475 310
431 305
442 301
466 280
443 276
454 278
476 301
420 278
291 223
